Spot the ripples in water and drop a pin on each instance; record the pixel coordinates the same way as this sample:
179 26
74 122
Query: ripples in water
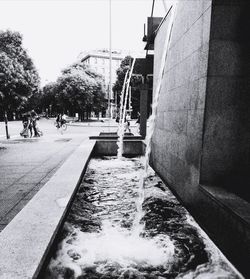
99 240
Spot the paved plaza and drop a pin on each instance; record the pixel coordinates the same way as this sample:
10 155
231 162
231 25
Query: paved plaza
27 164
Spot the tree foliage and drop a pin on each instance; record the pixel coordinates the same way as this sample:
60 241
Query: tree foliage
19 79
78 89
135 82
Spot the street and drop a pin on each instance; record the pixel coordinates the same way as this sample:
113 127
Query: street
27 164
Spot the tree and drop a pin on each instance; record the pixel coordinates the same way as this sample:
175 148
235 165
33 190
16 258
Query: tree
19 79
78 89
121 72
48 100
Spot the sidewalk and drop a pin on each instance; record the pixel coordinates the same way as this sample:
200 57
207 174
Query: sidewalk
27 164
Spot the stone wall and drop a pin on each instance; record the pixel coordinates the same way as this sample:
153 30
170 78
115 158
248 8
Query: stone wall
226 145
177 140
201 143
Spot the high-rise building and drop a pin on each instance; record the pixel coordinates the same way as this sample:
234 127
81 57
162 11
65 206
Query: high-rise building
100 62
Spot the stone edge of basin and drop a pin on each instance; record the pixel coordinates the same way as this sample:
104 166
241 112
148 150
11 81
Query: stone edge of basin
115 138
25 242
238 207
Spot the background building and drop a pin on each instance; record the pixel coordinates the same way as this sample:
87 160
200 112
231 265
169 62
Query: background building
99 61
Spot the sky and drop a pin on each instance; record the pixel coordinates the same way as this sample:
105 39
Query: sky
55 32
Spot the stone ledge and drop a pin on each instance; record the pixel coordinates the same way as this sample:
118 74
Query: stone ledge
25 242
109 147
238 207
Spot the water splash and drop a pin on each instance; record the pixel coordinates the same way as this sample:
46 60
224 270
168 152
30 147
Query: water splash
112 247
100 242
115 246
138 225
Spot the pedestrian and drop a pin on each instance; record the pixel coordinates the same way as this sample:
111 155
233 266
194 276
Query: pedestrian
25 132
138 122
127 123
30 125
34 119
39 132
58 120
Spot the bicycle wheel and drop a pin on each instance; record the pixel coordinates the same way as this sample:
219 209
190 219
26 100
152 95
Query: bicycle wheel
64 127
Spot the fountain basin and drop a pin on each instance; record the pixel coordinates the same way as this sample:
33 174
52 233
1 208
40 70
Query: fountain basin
100 238
106 144
27 242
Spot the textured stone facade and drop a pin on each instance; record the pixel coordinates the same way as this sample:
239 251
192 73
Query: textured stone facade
201 144
226 145
177 140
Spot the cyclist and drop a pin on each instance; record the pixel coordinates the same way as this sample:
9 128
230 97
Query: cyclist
63 120
58 120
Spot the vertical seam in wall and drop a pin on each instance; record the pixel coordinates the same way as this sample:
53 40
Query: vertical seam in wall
205 102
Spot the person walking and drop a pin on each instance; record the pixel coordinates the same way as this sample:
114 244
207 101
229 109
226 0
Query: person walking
25 132
138 122
34 119
39 132
30 125
127 123
58 120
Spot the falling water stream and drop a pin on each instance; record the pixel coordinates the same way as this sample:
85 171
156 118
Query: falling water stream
151 121
123 106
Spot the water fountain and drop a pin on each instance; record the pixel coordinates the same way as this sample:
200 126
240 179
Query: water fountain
125 223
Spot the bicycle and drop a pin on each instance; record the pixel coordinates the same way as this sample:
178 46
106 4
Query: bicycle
61 125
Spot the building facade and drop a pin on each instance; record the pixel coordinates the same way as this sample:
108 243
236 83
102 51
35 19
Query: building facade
100 62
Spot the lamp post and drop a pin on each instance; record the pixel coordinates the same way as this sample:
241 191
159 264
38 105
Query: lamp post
5 115
110 63
6 125
50 110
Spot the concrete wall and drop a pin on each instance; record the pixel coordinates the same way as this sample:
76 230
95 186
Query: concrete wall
108 147
226 146
201 144
177 141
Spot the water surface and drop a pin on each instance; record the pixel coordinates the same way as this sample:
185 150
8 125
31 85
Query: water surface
100 238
